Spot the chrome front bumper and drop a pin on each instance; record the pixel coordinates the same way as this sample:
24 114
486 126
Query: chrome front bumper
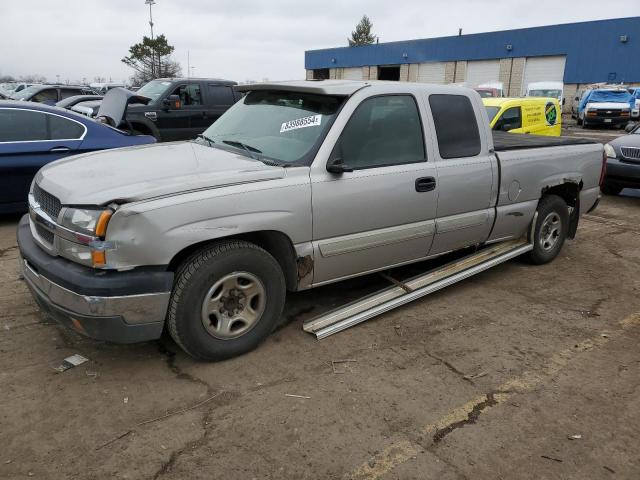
134 309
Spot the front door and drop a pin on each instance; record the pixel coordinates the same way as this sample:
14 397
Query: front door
381 213
175 123
466 175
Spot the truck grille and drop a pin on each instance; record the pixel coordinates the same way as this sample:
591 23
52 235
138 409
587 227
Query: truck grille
632 153
50 204
609 113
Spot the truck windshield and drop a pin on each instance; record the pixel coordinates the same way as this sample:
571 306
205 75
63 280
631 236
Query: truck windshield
545 93
491 112
153 89
278 125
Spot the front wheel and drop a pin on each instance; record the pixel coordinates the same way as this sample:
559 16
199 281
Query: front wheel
550 231
227 298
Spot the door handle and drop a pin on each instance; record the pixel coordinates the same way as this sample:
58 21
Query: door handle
59 149
425 184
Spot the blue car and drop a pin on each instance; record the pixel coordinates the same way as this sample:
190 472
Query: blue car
34 134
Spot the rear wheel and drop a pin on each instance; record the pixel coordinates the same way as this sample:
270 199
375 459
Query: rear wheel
227 298
551 229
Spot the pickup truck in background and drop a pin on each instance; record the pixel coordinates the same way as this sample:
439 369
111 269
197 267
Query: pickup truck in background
604 106
181 108
298 185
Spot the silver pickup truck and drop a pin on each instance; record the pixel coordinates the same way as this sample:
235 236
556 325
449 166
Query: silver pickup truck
298 185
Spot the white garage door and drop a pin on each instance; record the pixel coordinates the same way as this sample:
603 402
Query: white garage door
432 72
352 73
543 69
482 71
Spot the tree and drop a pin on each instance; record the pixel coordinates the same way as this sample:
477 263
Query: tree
151 59
362 34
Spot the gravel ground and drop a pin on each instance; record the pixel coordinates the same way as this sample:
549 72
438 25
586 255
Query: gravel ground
520 372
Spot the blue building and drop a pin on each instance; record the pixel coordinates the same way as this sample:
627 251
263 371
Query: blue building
573 53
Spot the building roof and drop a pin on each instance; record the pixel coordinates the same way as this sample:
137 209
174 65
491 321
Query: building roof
594 49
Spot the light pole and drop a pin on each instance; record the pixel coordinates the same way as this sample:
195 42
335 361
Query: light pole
151 3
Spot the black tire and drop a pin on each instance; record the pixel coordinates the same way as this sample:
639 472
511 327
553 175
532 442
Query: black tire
546 250
609 189
578 121
194 282
584 124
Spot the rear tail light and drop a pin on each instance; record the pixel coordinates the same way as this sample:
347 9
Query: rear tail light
603 170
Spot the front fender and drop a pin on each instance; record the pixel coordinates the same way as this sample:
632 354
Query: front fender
154 232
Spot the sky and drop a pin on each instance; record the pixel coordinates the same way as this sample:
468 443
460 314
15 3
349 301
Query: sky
247 40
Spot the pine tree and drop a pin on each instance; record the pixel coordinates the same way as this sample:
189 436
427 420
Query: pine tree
362 34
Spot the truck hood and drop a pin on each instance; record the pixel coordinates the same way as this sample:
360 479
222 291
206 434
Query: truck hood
148 171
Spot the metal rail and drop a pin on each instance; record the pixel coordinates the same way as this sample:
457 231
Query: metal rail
380 302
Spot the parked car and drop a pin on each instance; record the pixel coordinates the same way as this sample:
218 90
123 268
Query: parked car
33 134
102 88
496 89
623 163
298 185
547 89
635 102
14 87
181 108
604 106
50 94
70 102
538 116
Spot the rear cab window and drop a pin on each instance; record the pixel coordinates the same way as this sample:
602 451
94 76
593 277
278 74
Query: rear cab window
456 126
220 95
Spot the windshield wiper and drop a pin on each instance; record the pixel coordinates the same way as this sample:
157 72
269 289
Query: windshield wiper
249 149
206 139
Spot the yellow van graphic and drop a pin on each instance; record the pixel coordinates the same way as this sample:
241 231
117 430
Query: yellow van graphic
534 115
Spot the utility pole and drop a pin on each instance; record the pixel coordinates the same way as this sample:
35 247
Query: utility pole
188 65
151 3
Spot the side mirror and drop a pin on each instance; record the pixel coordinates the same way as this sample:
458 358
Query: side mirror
506 127
577 98
337 166
564 100
172 102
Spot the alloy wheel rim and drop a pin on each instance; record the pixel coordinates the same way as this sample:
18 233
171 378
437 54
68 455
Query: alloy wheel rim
550 231
233 305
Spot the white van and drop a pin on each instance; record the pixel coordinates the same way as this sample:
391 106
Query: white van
546 89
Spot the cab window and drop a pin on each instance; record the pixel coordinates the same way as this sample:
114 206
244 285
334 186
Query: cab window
383 131
48 95
189 94
510 119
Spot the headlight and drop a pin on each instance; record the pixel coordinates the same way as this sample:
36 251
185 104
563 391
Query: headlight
609 151
89 222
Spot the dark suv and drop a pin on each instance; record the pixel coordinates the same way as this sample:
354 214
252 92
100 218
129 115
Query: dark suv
181 108
51 94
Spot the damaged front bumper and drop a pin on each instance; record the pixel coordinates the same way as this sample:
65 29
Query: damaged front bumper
120 307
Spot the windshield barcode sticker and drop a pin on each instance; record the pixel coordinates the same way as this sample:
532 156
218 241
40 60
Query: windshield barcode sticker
312 121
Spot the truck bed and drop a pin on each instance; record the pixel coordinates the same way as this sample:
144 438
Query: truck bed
503 141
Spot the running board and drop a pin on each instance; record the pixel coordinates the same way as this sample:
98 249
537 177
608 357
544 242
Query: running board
380 302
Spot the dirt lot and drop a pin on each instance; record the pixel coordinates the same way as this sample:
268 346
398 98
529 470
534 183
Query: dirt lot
491 379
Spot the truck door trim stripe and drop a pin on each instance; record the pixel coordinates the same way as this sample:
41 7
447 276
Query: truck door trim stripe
376 238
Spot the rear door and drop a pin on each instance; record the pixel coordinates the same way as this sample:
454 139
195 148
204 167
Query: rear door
29 139
382 213
219 99
466 185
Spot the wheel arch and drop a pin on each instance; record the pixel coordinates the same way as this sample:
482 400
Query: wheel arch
276 243
569 191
